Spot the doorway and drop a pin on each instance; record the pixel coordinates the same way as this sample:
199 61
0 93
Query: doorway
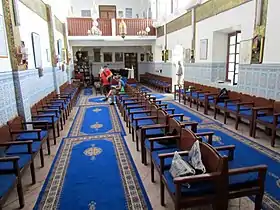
107 11
130 59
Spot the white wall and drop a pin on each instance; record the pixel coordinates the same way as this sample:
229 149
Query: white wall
138 6
241 17
5 64
59 8
181 37
38 26
272 44
220 46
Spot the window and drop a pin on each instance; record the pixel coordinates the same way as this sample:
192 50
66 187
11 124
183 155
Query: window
128 12
120 14
85 13
233 57
108 57
118 57
96 55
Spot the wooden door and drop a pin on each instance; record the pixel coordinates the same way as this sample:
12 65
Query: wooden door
107 11
130 59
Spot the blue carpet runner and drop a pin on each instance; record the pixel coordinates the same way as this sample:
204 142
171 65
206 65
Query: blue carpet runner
93 172
88 91
247 153
145 89
189 115
97 119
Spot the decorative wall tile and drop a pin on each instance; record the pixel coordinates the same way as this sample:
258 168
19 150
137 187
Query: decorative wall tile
278 82
270 94
256 79
249 78
277 96
272 80
254 91
8 107
262 93
241 78
263 80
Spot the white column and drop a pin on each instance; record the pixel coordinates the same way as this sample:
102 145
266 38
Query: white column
113 25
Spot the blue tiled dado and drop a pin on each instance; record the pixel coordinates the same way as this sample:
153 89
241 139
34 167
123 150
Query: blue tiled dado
8 107
32 88
260 80
19 90
205 73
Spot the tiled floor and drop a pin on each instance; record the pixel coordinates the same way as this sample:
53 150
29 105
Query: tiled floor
31 192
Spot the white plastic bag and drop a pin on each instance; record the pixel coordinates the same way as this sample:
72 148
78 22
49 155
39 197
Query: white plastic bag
179 167
194 159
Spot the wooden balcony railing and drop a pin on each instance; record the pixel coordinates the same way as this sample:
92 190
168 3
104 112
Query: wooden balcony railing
134 26
80 26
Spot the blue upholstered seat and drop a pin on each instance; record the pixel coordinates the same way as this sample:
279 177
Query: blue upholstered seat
6 182
202 97
268 119
242 108
32 135
222 104
47 112
23 160
151 132
48 119
23 149
167 161
159 146
196 188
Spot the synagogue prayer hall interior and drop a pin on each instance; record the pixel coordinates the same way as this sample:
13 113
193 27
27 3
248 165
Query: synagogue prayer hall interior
139 105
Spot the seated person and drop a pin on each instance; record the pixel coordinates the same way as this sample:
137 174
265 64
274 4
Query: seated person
115 89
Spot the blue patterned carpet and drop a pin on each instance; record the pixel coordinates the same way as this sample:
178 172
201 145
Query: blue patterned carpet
145 89
93 172
158 95
88 91
97 119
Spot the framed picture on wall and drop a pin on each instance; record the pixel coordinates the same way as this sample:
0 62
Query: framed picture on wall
245 51
108 56
3 39
36 45
16 13
59 49
142 57
203 49
119 57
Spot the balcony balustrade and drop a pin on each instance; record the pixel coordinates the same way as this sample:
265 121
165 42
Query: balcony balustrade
110 27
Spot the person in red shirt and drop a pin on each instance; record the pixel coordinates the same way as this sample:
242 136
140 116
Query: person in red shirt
106 76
